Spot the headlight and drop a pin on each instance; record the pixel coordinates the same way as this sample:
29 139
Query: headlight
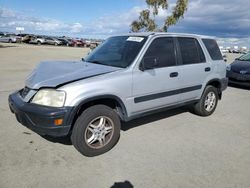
49 97
228 67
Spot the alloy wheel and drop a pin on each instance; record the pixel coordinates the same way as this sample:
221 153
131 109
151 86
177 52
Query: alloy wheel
210 101
99 132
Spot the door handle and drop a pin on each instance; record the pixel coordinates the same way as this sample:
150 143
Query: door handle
207 69
173 74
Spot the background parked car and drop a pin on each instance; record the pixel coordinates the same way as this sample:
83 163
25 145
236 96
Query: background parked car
25 37
87 43
236 51
239 71
78 43
52 41
1 34
37 40
65 41
8 38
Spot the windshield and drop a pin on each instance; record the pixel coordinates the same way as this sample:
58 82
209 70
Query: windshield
117 51
245 57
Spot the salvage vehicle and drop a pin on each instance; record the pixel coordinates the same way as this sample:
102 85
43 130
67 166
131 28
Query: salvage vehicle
10 38
65 41
37 40
25 37
78 43
2 34
52 41
238 72
126 77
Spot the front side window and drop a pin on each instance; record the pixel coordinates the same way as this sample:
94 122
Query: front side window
191 51
162 49
213 49
117 51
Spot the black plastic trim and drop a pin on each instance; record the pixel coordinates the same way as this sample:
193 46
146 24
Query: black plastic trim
166 94
123 114
40 118
223 83
162 109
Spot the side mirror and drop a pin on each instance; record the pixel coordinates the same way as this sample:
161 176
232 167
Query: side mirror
148 63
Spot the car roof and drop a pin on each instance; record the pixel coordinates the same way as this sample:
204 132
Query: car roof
147 34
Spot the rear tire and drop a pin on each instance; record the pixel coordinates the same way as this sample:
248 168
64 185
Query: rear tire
208 102
96 131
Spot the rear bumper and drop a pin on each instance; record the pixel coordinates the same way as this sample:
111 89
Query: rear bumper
39 118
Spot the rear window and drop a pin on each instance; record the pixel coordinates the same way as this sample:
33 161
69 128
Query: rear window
191 51
213 49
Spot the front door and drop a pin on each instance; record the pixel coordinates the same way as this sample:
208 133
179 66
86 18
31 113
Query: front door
158 86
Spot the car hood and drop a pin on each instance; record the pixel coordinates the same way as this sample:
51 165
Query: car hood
53 74
238 66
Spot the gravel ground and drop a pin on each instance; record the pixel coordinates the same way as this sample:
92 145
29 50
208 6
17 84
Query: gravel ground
169 149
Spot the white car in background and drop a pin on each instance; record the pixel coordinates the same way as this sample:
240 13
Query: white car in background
37 40
52 41
8 38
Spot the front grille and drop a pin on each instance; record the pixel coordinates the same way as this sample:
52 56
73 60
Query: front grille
24 92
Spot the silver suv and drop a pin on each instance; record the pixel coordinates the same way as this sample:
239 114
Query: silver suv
126 77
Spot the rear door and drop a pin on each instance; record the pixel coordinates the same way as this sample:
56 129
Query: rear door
216 56
194 69
157 87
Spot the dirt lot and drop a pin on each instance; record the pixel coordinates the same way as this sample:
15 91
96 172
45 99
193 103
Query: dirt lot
170 149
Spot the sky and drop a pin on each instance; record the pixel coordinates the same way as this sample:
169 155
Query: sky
225 19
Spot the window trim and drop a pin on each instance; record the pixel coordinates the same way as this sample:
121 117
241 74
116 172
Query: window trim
148 46
197 42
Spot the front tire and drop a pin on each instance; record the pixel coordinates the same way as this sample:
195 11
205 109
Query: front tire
208 102
96 130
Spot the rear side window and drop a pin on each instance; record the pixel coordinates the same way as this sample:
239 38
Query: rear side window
163 50
191 51
213 49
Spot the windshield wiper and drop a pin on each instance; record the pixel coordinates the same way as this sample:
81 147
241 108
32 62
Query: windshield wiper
102 63
96 62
